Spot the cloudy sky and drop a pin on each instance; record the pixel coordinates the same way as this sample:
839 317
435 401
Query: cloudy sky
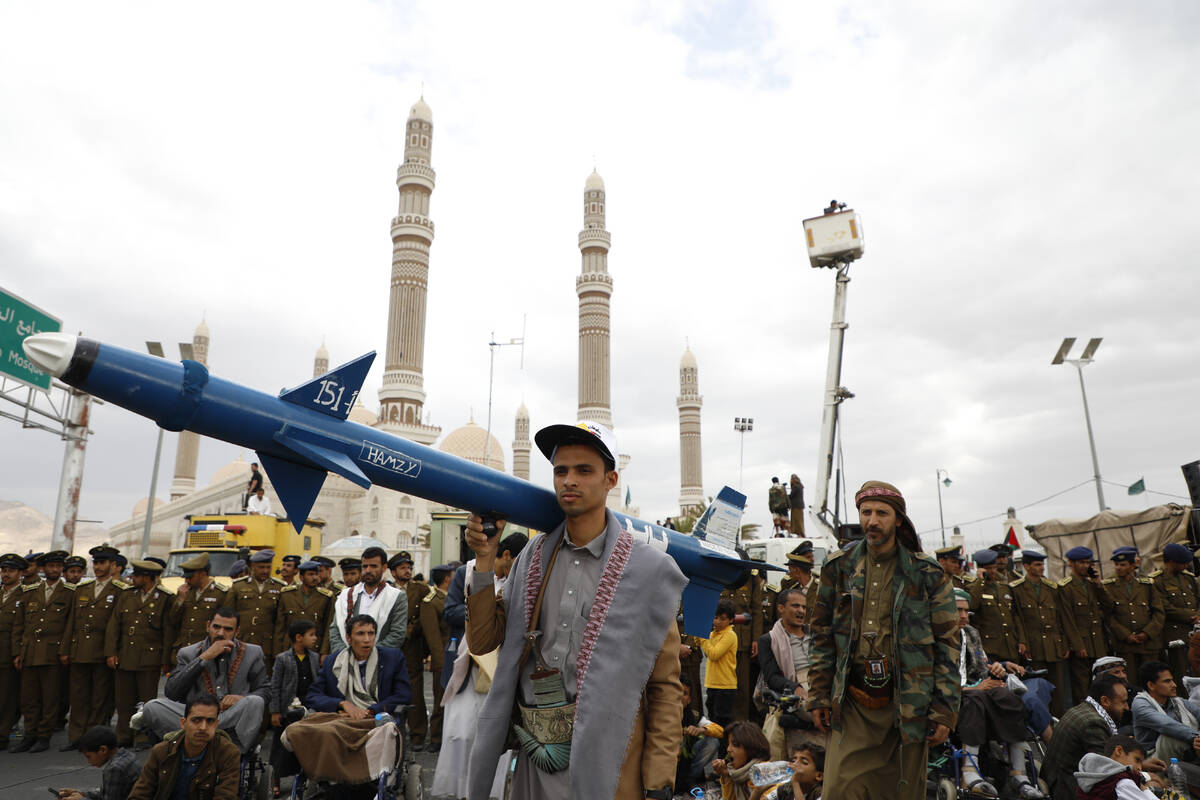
1024 173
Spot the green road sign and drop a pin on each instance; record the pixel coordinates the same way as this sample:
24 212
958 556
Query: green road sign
19 319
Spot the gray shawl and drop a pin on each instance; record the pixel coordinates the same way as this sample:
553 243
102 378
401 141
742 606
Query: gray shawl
636 603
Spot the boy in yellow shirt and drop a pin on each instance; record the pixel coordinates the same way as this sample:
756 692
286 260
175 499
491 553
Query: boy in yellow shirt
720 677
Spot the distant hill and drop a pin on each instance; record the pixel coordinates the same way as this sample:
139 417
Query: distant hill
24 529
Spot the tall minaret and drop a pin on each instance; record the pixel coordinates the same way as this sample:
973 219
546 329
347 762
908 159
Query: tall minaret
402 396
187 452
594 287
521 444
321 362
691 481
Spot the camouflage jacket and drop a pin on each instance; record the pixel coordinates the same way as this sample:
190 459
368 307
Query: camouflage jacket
925 636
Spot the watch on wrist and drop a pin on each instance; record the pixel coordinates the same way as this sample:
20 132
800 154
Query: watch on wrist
663 793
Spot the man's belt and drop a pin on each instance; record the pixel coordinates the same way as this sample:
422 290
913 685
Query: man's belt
868 699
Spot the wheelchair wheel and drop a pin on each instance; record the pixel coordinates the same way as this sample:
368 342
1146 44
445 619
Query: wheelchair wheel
946 790
412 783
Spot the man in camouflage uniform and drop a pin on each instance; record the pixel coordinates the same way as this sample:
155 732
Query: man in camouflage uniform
136 642
413 648
304 600
952 564
994 615
256 599
884 676
91 681
747 600
42 624
1133 612
1079 594
195 601
1180 595
1044 619
11 566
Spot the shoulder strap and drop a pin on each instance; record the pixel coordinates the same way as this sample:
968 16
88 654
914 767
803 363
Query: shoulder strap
537 604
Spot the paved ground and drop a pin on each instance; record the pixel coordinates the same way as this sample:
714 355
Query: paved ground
25 776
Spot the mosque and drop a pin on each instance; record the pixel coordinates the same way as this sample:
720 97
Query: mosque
398 521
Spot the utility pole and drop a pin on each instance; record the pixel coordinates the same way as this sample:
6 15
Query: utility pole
742 425
1079 363
492 345
942 478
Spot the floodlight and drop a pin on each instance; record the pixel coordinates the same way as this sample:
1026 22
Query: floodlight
185 350
1063 349
155 349
1090 350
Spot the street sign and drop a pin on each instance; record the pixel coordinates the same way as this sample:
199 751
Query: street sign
19 319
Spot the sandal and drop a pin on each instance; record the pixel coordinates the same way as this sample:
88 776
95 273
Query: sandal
981 788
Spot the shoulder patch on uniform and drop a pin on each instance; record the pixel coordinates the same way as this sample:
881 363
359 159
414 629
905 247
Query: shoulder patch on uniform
1145 580
1017 582
1107 581
1156 573
70 586
165 590
86 581
121 584
29 587
429 597
1064 582
277 580
1189 573
241 579
291 588
324 591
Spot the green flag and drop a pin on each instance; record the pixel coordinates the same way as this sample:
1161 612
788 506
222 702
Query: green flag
1137 487
627 497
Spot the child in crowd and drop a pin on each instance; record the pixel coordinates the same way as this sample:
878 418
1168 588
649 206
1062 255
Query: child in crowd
701 744
808 771
720 678
747 746
119 766
1117 776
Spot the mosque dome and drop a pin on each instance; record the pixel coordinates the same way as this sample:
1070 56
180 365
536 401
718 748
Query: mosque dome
238 468
688 361
139 508
363 415
470 442
594 181
421 111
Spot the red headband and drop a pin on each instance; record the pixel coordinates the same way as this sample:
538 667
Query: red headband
876 491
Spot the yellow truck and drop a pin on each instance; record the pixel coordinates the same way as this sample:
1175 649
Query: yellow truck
228 537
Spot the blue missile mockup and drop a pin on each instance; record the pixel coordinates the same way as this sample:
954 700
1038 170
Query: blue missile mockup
304 433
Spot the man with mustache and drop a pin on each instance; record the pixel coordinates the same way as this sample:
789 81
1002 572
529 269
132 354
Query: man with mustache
884 677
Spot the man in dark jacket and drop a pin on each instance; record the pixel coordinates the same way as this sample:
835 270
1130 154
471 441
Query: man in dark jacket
361 680
1083 729
199 757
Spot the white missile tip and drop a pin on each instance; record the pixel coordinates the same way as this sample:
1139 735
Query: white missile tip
50 352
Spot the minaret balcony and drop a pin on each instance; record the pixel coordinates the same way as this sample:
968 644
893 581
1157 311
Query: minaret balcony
595 278
414 173
594 237
402 221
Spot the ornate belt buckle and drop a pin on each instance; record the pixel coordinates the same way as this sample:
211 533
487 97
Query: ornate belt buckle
878 671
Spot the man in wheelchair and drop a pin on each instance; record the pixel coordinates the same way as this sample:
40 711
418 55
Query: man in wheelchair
990 712
361 680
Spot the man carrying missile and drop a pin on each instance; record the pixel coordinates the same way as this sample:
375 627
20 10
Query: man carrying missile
884 673
589 650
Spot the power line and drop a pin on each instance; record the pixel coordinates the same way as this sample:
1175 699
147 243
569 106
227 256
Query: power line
1150 491
1018 508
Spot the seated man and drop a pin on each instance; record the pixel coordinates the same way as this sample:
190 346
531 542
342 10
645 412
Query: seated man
1166 725
221 665
701 744
361 680
118 766
199 762
989 712
1083 729
1117 775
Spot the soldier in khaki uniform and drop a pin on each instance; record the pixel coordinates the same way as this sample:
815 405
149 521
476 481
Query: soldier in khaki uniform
11 566
30 575
1044 618
325 575
690 659
1080 593
1133 612
91 681
289 569
414 648
195 601
43 622
304 600
951 559
1180 595
136 642
995 616
256 599
800 576
74 569
437 635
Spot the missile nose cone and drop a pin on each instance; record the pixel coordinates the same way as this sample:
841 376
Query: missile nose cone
51 352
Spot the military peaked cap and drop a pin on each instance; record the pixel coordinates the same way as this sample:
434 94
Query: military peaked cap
1080 554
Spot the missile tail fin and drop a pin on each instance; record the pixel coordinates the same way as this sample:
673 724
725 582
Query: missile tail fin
700 598
301 442
720 524
296 484
335 392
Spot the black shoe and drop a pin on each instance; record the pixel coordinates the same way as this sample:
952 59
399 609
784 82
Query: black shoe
433 747
40 746
68 747
22 746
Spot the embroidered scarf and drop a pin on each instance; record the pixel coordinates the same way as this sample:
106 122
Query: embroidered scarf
239 650
1112 726
350 683
621 642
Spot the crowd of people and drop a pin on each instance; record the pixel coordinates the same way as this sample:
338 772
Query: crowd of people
565 658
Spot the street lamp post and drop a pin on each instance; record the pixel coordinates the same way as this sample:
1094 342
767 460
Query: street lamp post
742 425
492 345
156 349
943 477
1079 363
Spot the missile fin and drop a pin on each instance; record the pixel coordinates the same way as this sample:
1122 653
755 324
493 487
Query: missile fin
297 485
331 460
700 598
720 523
334 392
